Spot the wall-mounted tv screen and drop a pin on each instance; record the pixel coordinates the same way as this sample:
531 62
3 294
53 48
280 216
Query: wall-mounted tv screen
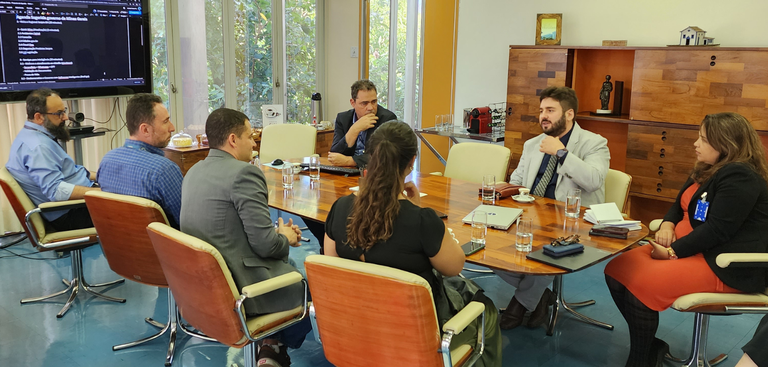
80 48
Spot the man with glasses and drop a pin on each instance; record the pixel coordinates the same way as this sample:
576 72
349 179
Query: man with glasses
42 167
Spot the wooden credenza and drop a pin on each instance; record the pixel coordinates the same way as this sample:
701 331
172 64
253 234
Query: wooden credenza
185 158
667 93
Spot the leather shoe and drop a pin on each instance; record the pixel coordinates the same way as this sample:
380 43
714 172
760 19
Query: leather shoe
659 349
541 313
513 315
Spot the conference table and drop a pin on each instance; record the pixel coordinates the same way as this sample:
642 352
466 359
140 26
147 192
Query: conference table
456 198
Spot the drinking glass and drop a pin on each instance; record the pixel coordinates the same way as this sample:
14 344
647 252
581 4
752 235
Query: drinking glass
288 176
479 227
573 203
489 189
314 168
448 122
439 122
524 232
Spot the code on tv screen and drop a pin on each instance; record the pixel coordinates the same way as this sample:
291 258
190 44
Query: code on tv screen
80 48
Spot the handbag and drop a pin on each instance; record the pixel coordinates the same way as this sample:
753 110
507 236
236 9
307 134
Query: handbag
505 190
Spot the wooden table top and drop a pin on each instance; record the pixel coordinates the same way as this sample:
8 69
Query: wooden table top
455 198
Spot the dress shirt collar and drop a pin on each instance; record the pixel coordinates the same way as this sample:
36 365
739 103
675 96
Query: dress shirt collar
140 145
33 126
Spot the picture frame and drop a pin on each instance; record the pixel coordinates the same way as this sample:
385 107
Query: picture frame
549 29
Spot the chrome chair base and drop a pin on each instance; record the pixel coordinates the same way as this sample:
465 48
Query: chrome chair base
557 288
75 285
174 323
698 357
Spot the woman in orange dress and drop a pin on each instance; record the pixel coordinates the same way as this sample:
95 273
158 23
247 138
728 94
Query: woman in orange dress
723 207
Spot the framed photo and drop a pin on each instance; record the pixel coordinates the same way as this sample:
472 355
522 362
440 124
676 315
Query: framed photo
549 29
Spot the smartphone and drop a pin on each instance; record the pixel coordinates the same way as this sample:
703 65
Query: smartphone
471 247
440 214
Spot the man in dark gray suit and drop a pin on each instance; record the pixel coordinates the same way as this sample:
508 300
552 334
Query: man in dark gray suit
224 202
353 127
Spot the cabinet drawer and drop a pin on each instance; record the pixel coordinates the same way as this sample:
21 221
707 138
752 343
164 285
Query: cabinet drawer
659 159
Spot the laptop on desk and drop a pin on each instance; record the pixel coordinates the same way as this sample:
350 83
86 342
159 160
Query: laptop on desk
499 217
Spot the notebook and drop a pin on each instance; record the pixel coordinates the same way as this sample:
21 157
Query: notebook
499 217
573 262
609 214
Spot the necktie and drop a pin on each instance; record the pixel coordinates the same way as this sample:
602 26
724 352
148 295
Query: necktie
541 188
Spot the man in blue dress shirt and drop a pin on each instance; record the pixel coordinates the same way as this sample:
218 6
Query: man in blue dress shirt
139 167
42 167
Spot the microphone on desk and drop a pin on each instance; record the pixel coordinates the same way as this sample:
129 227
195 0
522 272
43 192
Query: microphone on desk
76 118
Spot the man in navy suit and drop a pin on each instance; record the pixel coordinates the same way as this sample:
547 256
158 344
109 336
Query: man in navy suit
353 128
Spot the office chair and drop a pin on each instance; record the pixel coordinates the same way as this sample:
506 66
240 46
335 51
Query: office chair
44 239
287 141
130 254
470 161
373 315
208 298
704 305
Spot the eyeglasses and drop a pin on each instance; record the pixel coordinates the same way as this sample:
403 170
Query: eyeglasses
62 114
565 241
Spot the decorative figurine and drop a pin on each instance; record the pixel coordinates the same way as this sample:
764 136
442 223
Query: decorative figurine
605 96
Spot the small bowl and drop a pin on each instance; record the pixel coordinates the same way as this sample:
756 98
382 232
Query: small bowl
296 168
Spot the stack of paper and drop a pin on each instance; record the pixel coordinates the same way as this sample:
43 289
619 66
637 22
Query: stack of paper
609 214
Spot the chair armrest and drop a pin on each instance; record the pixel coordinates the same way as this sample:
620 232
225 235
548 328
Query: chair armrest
436 173
61 205
269 285
725 260
458 322
655 224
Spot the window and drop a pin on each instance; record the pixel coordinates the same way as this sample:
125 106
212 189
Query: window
243 54
394 54
159 52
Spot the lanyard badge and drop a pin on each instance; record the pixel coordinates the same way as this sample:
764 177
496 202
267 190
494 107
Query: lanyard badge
702 206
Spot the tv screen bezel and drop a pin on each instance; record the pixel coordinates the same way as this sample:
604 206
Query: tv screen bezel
99 92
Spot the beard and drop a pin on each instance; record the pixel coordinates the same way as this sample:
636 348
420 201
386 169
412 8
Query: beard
59 132
556 128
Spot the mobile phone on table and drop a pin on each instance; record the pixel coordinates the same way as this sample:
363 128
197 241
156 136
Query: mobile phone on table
472 247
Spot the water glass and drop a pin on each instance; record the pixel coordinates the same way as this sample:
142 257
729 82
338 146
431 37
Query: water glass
524 234
288 176
439 122
573 203
314 168
448 122
479 227
489 189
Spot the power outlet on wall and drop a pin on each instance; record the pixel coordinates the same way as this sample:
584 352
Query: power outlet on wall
353 52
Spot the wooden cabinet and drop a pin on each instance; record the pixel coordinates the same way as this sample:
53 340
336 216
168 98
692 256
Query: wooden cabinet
683 86
185 158
659 159
667 93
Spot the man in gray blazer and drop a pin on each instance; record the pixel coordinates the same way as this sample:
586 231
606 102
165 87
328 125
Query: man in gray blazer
224 202
562 158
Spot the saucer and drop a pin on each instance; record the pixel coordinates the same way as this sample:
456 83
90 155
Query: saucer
522 199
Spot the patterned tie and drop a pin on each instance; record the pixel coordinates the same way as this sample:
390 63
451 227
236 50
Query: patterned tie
541 188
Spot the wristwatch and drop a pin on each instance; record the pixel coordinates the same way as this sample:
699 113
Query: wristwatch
561 153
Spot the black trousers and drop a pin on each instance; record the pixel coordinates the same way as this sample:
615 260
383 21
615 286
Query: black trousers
318 230
74 219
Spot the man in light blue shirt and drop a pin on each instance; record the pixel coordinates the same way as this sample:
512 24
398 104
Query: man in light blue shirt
139 167
42 167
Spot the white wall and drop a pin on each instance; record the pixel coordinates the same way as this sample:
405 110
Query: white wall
488 27
342 26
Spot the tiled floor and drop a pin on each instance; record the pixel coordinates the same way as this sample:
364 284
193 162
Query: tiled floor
32 336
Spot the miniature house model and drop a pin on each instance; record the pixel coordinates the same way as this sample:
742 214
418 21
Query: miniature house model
709 41
694 36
